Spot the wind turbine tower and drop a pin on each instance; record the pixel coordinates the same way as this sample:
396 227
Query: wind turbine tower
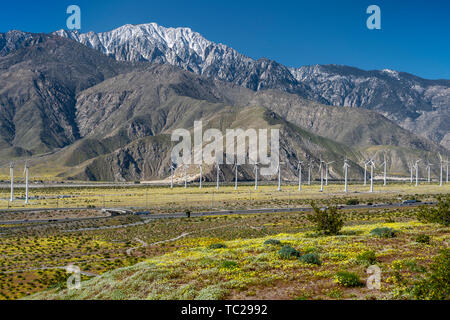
256 175
441 178
201 172
185 175
299 176
11 173
171 175
365 172
346 166
411 169
372 167
385 171
26 171
416 166
321 175
429 171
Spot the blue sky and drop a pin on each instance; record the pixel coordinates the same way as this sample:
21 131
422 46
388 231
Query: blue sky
415 34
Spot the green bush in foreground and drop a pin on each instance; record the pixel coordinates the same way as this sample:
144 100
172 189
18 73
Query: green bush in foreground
272 242
384 232
217 246
228 264
348 279
439 214
368 257
287 252
423 238
310 258
352 202
326 220
436 286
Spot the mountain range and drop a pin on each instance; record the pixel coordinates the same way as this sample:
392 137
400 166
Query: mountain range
103 106
419 105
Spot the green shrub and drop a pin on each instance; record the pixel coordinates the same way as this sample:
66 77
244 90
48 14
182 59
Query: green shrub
423 238
228 264
352 202
348 279
287 252
327 220
311 258
439 214
384 232
272 242
436 285
367 257
217 246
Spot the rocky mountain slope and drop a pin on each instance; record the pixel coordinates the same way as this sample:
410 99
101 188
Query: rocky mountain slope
416 104
126 122
40 76
419 105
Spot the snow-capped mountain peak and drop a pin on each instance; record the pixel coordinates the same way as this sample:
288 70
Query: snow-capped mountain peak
190 51
149 42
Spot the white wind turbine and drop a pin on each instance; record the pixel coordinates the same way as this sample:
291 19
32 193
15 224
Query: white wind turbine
309 172
372 167
201 173
279 175
26 171
442 171
346 166
256 175
416 166
411 169
172 168
11 173
300 176
365 171
326 171
429 171
385 170
321 175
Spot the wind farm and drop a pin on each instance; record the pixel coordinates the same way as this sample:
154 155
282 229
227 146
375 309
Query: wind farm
21 193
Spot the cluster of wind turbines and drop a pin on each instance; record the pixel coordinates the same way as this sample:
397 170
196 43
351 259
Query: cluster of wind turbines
414 166
26 174
323 170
